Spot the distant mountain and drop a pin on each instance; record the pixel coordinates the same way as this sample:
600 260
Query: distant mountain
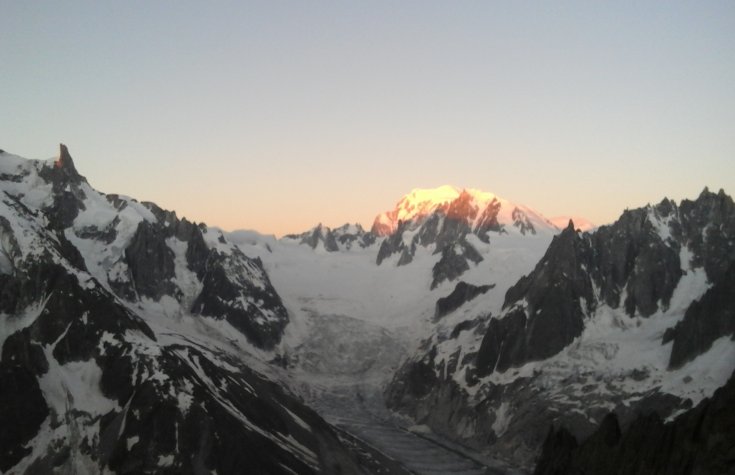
631 317
135 341
128 337
481 212
448 221
333 240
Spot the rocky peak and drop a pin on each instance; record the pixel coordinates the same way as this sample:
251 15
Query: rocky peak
415 206
63 171
583 224
464 207
545 310
636 258
64 161
443 217
332 240
707 227
67 188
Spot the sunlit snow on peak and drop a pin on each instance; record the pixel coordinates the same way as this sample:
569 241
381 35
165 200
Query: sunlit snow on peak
462 203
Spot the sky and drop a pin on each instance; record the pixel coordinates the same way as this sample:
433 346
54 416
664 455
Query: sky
278 115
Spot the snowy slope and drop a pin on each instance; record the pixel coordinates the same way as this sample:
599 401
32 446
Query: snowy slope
136 342
507 368
140 341
421 203
353 322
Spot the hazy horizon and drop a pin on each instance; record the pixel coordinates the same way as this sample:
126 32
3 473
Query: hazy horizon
275 117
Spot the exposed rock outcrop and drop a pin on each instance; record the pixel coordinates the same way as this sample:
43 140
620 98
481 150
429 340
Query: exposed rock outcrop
454 261
333 240
547 308
446 220
462 293
238 290
87 386
698 441
706 320
559 350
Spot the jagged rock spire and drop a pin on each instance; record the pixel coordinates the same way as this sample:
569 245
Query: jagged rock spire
65 161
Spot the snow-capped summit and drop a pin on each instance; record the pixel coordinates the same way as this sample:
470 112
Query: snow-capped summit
451 222
481 210
418 203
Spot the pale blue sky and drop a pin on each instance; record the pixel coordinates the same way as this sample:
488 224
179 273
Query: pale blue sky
278 115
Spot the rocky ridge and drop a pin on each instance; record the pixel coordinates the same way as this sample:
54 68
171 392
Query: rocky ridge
447 220
557 352
334 240
698 441
125 334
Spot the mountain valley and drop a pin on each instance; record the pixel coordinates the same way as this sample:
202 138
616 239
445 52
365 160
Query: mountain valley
461 333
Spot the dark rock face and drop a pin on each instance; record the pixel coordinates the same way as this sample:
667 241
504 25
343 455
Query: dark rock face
230 419
707 225
251 430
197 252
454 262
521 221
108 234
698 441
320 234
63 173
64 210
343 237
86 386
488 221
66 184
632 266
706 320
22 411
151 262
448 228
556 453
63 325
349 235
235 288
394 244
462 293
418 381
558 294
629 254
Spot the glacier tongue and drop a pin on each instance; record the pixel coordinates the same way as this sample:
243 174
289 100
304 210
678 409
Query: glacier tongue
353 324
340 369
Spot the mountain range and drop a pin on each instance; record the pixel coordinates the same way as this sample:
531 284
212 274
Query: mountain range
462 333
